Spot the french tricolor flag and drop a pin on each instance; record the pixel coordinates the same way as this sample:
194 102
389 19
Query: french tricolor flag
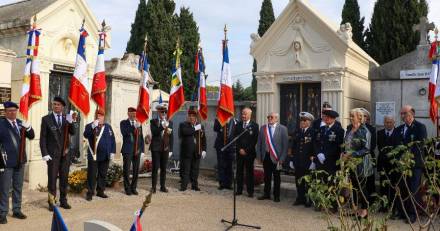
137 226
199 68
143 107
225 108
79 95
99 85
433 55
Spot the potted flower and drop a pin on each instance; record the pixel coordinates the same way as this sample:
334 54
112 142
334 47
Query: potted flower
114 175
77 181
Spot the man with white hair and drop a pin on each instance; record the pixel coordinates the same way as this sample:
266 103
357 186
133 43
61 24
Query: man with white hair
272 145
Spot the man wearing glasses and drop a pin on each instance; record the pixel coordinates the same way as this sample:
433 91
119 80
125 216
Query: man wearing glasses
409 132
272 145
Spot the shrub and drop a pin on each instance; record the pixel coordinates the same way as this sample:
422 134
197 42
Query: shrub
114 174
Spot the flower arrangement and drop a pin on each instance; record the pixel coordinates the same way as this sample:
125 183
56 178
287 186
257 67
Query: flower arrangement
114 174
258 177
77 181
147 166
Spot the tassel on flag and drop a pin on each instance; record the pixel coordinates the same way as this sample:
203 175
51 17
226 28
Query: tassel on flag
177 98
78 94
199 67
143 108
31 89
57 221
225 109
99 85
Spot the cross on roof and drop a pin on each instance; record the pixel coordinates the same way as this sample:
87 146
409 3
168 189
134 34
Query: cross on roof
424 27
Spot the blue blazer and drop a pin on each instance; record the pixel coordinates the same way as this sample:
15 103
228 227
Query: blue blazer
128 137
10 142
106 145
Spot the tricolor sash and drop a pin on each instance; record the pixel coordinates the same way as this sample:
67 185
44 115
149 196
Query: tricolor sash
270 144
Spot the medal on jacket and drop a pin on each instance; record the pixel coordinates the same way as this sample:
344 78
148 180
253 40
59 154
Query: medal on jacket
332 137
307 139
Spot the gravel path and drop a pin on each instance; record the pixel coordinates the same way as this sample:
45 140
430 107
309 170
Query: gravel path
176 211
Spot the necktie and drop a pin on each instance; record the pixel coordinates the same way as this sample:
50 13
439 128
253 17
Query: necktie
326 129
132 123
59 121
244 124
304 130
14 125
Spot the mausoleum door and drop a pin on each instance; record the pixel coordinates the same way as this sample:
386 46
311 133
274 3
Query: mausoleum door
298 97
59 85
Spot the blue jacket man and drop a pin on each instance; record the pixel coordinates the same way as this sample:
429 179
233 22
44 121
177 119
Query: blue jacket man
225 158
101 150
13 134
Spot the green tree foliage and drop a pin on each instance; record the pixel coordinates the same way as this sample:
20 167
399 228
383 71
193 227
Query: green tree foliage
267 17
390 34
351 14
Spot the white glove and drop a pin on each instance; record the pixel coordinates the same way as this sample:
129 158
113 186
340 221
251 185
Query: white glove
170 154
26 125
69 118
47 158
291 165
198 127
321 158
137 125
95 124
112 156
312 166
203 154
169 130
165 123
142 156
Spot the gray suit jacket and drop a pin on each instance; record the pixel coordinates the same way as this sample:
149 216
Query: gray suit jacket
280 139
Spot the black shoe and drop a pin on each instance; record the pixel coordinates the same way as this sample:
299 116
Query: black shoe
153 190
51 207
238 193
19 215
182 189
307 205
276 199
3 220
128 192
89 196
195 188
134 192
298 202
250 195
395 216
228 187
220 187
163 189
65 205
264 197
102 195
412 219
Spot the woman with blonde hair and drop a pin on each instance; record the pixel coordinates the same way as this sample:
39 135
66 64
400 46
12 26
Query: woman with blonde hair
357 145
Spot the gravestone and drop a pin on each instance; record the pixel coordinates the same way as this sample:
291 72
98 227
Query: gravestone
96 225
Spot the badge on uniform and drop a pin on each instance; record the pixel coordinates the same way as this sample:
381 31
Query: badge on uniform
53 128
307 139
250 131
111 133
318 136
332 137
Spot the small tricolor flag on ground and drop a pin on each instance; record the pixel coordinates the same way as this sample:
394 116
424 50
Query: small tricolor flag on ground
31 89
137 226
143 107
78 94
57 221
99 84
225 109
199 67
177 98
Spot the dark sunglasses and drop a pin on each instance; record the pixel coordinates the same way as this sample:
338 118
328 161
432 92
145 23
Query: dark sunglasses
269 117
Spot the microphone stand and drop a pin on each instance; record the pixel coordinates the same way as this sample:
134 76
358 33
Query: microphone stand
234 221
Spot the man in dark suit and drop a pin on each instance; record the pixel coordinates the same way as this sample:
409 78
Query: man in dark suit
387 139
272 146
101 149
224 159
302 151
161 146
328 143
192 149
318 123
132 150
13 134
246 153
409 132
56 129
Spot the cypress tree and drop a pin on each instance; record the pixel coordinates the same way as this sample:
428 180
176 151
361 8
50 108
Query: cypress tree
267 17
390 33
189 41
138 29
351 14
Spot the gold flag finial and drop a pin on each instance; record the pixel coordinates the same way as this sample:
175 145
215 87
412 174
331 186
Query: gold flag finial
226 31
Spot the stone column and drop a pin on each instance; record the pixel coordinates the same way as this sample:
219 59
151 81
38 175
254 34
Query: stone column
266 101
332 92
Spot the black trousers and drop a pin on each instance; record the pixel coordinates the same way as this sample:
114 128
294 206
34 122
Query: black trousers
386 189
160 161
224 168
270 169
58 166
130 162
96 175
414 182
245 164
301 187
190 172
